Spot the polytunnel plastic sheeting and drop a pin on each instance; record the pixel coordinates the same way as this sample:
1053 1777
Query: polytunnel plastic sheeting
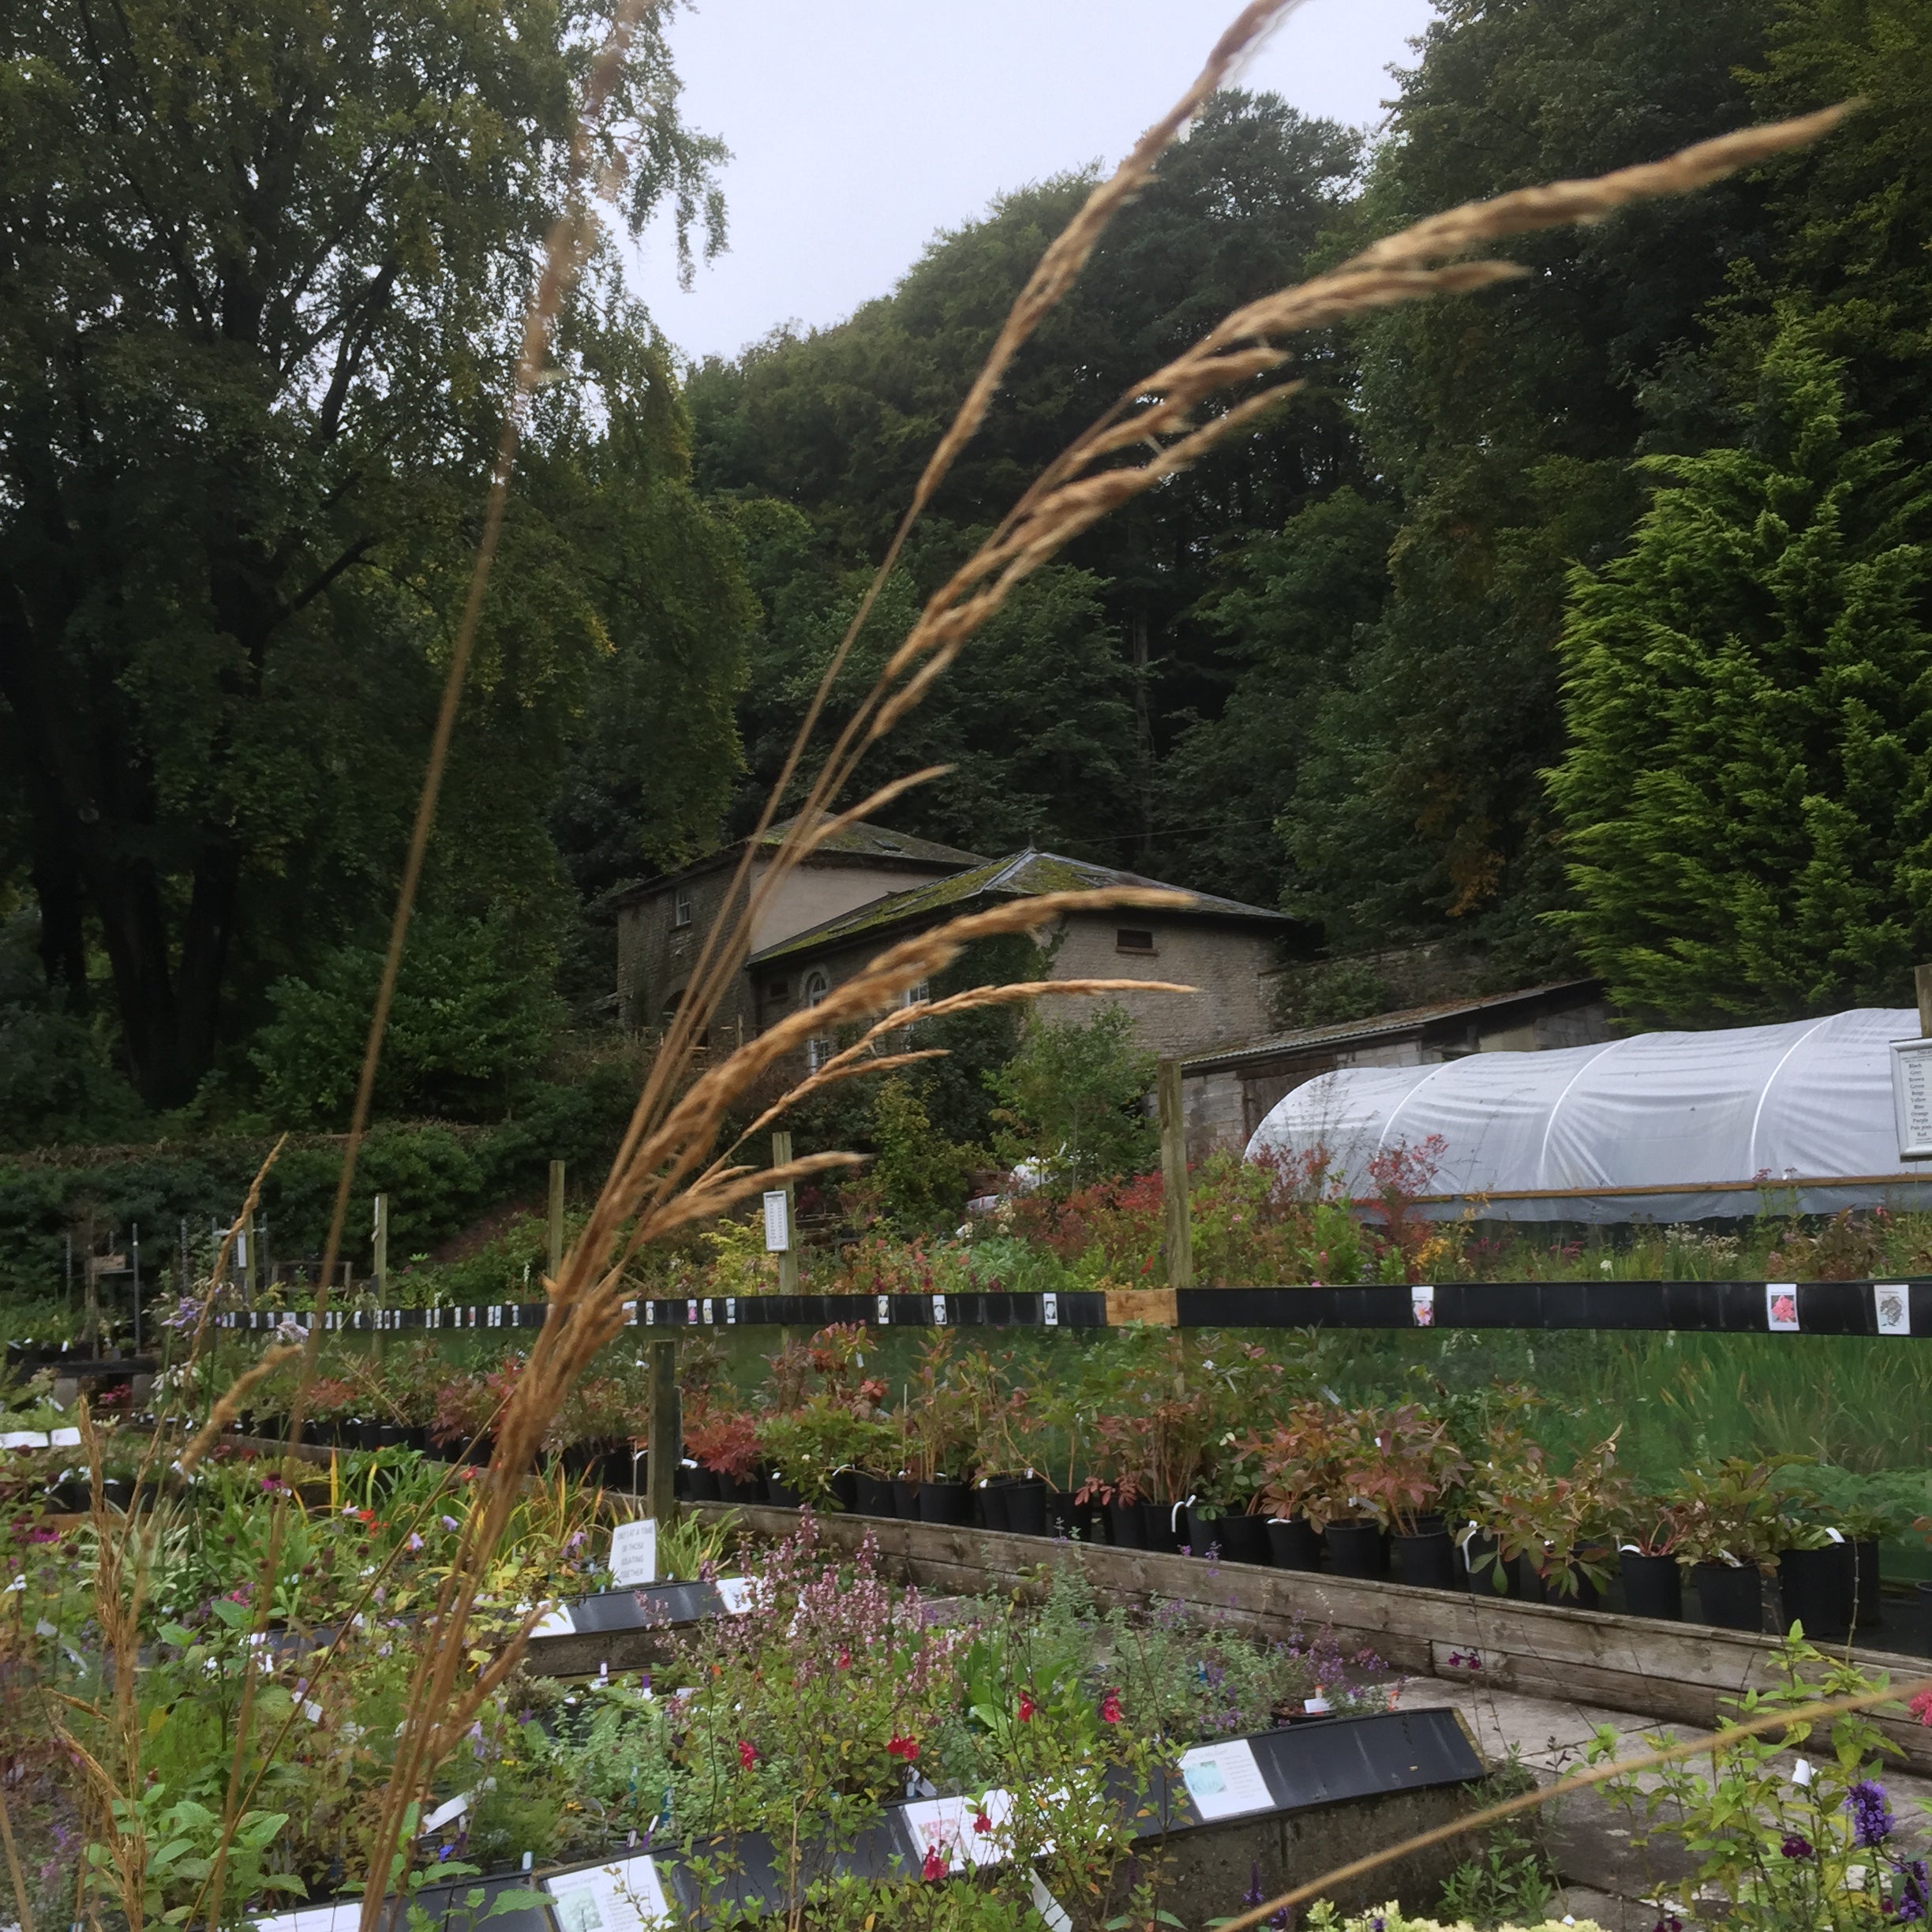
1712 1121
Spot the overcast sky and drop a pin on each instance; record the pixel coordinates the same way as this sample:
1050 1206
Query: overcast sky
858 128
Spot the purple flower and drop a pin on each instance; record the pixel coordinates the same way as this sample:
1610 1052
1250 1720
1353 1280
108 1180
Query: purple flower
1796 1846
1910 1907
1669 1922
1871 1816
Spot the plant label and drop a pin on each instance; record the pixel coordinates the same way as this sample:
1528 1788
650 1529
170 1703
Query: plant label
555 1622
885 1310
633 1553
627 1897
777 1223
1224 1780
1911 1098
691 1314
938 1303
1050 1310
707 1312
1781 1307
736 1595
1422 1306
731 1310
1892 1300
951 1830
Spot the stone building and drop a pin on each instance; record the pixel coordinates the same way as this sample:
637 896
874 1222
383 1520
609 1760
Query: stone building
661 924
1229 951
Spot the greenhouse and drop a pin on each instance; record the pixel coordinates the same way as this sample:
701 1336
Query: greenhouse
1663 1126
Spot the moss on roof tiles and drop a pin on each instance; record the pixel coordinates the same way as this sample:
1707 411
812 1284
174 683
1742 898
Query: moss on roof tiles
1022 875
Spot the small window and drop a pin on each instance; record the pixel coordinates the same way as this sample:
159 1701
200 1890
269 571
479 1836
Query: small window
681 907
917 995
1128 939
813 987
778 992
818 1051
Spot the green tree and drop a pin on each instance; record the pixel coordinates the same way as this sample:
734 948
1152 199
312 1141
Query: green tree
263 267
921 1175
1747 795
1073 1100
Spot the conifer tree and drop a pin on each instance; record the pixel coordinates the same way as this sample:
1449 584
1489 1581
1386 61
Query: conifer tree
1748 691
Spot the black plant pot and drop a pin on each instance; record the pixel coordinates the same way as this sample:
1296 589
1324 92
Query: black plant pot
388 1435
1066 1518
1356 1549
741 1489
781 1494
706 1485
1426 1560
624 1470
1123 1526
1026 1507
368 1434
991 1497
71 1496
1293 1543
1230 1537
905 1496
1815 1586
944 1502
845 1489
1158 1529
1488 1576
1653 1586
417 1437
872 1496
1730 1595
1533 1585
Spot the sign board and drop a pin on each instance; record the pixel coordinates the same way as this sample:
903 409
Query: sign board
627 1897
1224 1780
777 1223
1891 1301
1912 1097
633 1553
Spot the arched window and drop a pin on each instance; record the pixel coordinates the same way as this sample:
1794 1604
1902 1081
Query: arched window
813 987
812 990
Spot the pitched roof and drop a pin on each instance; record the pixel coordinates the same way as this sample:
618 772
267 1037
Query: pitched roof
1024 875
861 842
1409 1020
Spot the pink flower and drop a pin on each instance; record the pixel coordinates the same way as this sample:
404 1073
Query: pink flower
747 1753
1920 1706
1110 1707
844 1659
935 1865
905 1747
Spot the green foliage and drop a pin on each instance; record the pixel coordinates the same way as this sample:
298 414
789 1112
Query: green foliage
1073 1100
921 1177
1510 1880
472 1017
1745 795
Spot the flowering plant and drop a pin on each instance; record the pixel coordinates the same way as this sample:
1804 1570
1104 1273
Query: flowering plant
1813 1845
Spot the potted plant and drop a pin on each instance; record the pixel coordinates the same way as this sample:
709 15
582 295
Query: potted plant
725 1442
1733 1523
1305 1461
1555 1532
1648 1559
809 1448
1404 1470
1225 1512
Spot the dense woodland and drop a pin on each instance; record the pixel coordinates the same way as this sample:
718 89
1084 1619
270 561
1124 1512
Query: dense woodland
1583 622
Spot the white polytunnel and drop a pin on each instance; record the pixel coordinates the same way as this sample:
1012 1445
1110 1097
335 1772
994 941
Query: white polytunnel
1657 1126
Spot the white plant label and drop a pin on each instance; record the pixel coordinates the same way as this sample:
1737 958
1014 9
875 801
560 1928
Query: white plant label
1422 1306
633 1553
1781 1307
777 1223
1894 1302
1224 1780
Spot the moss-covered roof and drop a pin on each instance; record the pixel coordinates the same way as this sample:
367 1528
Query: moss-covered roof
1022 876
862 842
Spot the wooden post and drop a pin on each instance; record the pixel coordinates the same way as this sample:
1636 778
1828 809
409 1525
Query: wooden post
1922 975
1179 1234
134 1263
379 1259
667 1432
787 1261
553 1266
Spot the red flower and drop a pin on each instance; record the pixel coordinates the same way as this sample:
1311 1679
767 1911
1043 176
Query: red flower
844 1659
747 1753
1026 1708
935 1866
1110 1708
905 1747
1920 1706
982 1823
